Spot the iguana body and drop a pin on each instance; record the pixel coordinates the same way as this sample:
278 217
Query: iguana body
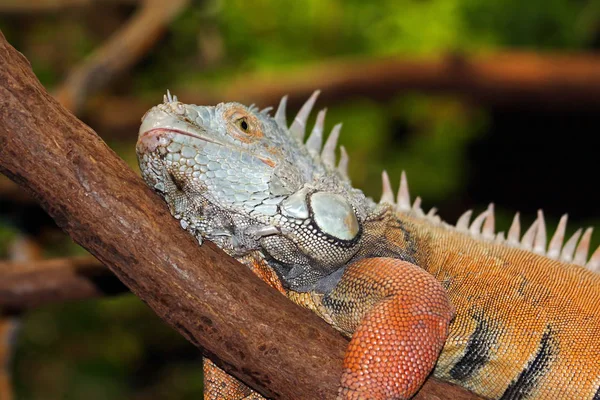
526 327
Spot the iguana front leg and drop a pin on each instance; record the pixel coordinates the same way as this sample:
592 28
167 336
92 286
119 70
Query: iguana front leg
218 384
398 315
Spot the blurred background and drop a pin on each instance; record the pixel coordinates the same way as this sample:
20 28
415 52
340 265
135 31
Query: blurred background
478 101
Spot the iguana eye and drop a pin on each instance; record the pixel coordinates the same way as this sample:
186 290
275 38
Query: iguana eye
242 123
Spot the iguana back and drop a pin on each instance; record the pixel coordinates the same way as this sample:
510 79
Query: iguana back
526 326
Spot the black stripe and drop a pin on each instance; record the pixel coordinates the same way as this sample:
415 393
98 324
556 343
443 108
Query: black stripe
597 395
527 380
477 352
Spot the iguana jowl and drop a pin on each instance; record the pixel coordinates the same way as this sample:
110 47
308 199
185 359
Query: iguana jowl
508 318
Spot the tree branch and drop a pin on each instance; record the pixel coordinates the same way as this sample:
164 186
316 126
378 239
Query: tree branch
12 192
249 329
121 51
31 284
550 81
208 297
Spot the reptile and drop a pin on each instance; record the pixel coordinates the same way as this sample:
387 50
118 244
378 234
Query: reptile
506 316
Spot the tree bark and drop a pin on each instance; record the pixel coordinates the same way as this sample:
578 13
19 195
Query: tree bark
249 329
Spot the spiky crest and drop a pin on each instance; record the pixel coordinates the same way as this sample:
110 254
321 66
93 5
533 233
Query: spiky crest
574 251
321 152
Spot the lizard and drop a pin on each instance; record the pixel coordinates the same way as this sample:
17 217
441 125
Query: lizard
506 316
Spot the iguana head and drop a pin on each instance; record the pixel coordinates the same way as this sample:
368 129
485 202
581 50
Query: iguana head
236 176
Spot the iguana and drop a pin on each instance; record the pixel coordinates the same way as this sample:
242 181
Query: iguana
505 316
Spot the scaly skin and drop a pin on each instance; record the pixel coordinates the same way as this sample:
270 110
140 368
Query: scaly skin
218 385
385 275
526 326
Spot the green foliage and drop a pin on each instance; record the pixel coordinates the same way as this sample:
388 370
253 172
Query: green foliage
7 235
430 148
95 349
545 24
433 152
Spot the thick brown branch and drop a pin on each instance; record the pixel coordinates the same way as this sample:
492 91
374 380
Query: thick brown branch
122 50
274 346
26 285
209 298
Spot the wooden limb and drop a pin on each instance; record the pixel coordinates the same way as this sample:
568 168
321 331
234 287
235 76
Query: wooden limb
249 329
524 80
215 302
121 51
27 285
12 192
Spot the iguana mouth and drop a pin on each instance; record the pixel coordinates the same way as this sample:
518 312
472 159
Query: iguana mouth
158 131
154 137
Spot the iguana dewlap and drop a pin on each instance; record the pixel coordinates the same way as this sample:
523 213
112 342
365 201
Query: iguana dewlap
508 318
